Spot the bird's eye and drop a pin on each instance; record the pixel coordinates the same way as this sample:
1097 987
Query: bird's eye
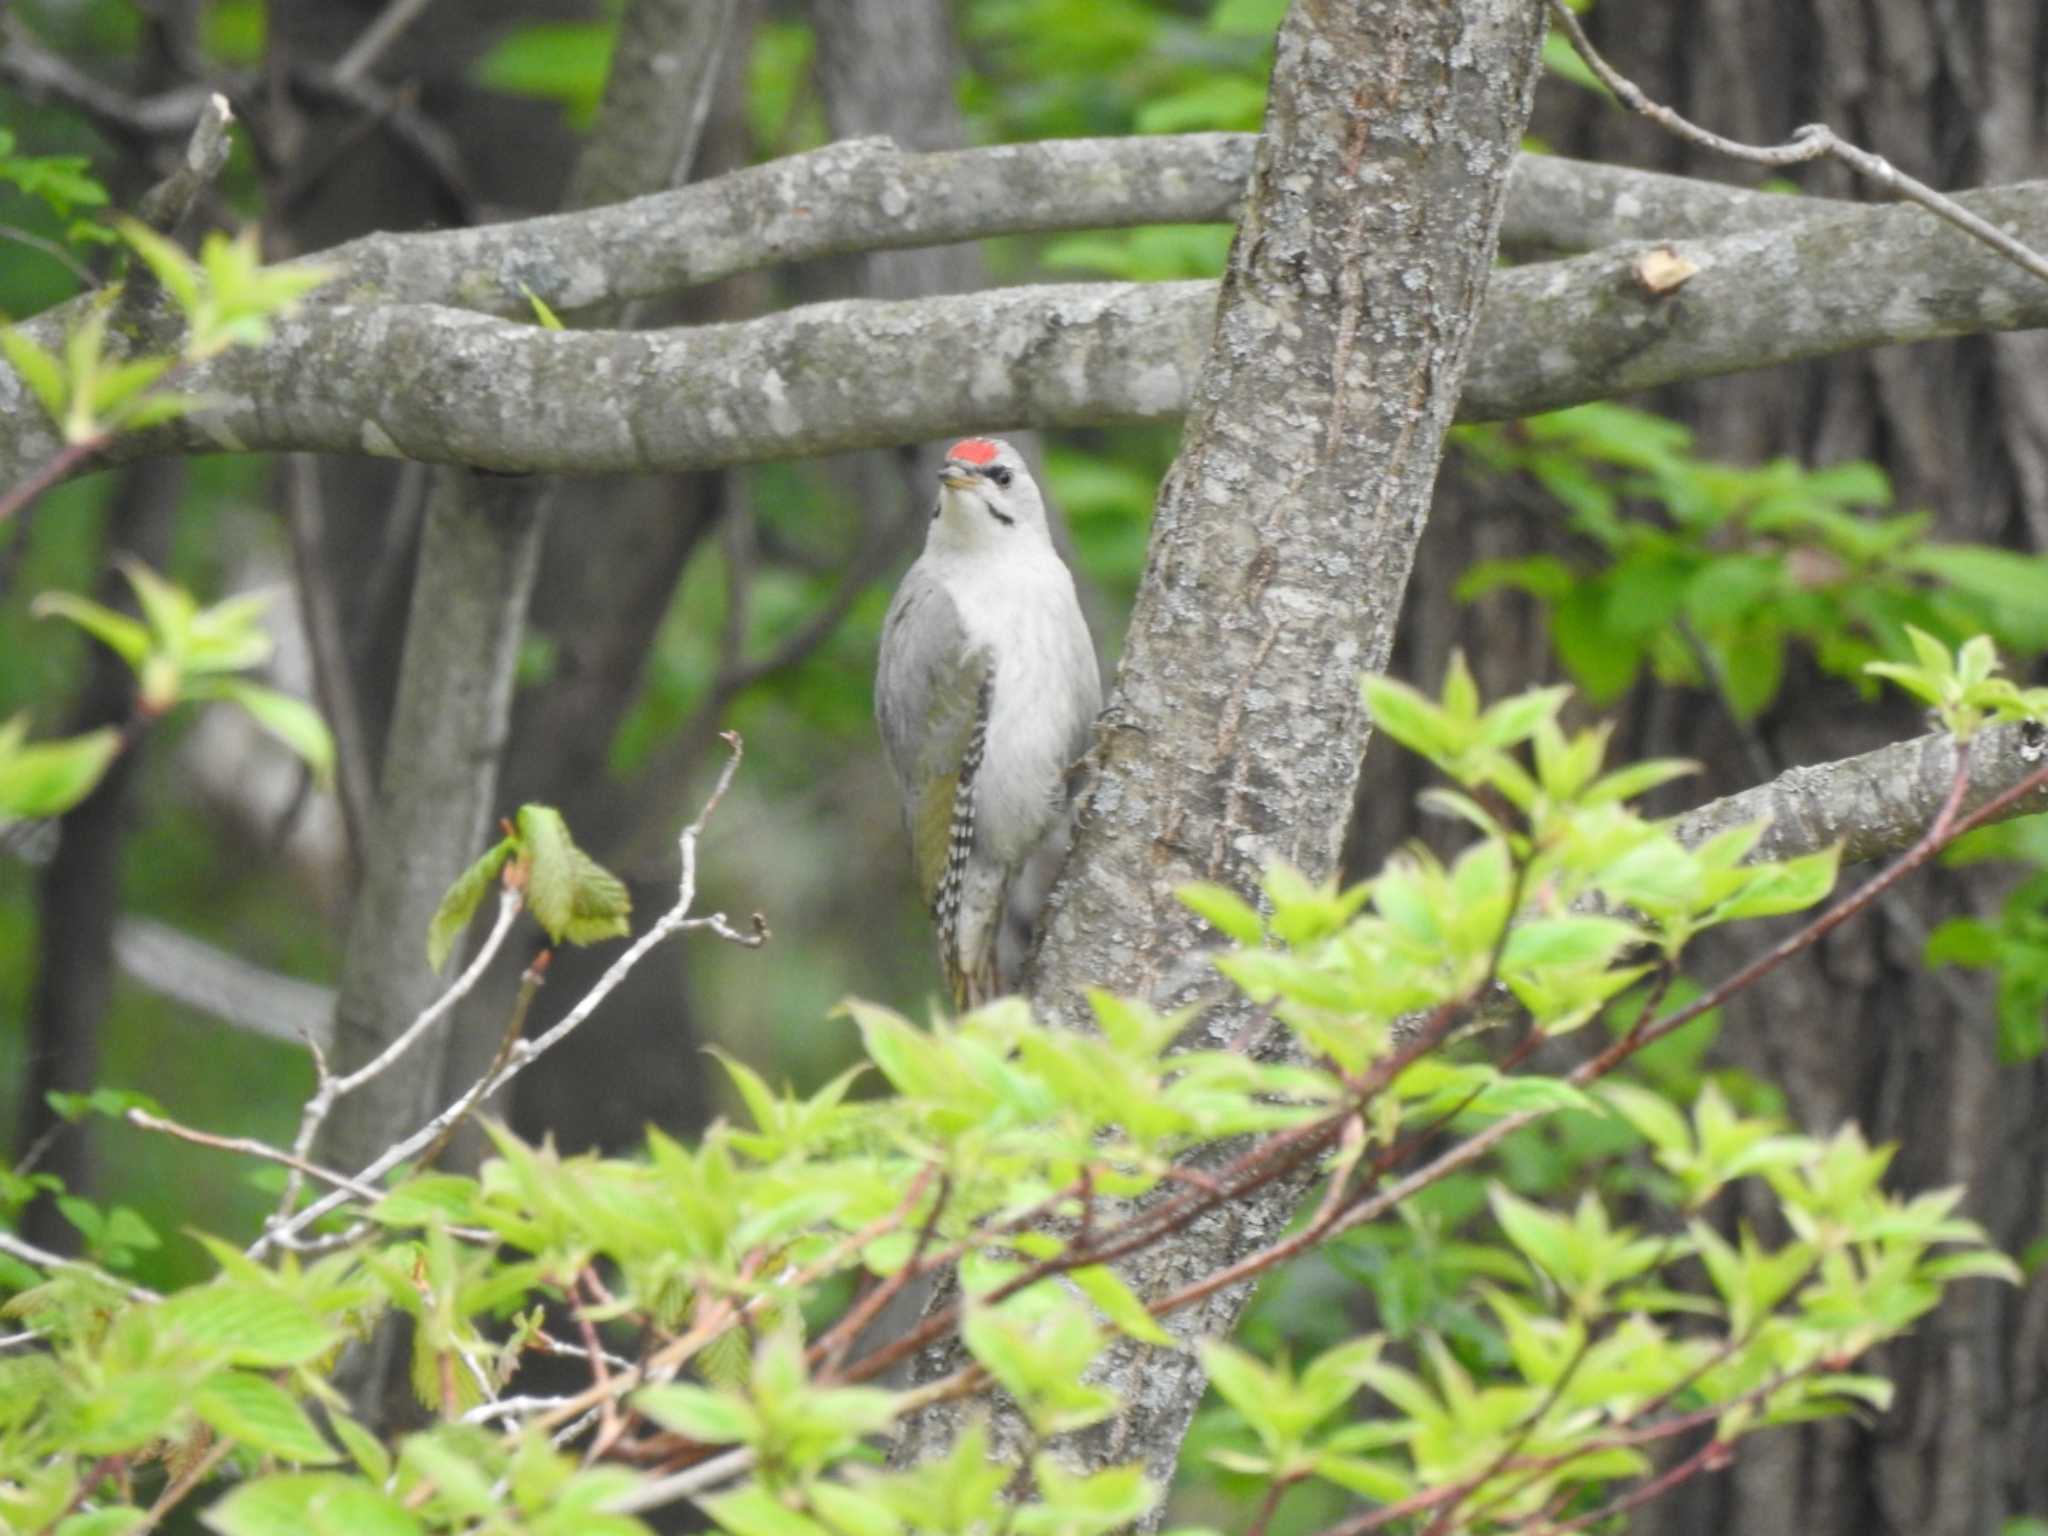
1000 475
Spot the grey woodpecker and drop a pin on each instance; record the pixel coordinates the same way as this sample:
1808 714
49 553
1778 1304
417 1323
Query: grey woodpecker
985 693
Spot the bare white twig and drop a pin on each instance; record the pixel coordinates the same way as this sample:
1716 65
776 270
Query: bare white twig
548 1344
30 1254
511 1408
165 205
1815 141
525 1052
685 1484
331 1088
248 1146
374 39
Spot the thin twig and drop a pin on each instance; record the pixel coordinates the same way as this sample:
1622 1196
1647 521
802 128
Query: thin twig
67 461
332 1088
525 1052
372 42
609 1424
826 1354
686 1484
248 1146
530 981
510 1408
1815 141
175 1490
164 206
40 1258
55 252
1710 1457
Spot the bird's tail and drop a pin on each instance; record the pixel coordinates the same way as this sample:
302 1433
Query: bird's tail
970 955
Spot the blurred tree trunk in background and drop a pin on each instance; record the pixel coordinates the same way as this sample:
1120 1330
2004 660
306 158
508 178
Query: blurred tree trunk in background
79 897
1955 96
609 576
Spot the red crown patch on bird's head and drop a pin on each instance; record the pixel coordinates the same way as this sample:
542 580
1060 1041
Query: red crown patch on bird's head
973 450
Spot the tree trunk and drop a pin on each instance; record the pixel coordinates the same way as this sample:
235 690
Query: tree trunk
78 900
1282 542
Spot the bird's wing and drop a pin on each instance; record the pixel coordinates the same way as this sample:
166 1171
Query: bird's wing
932 689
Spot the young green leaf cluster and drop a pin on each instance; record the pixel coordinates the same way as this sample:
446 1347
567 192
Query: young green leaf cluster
1707 573
227 298
179 652
724 1293
576 899
1963 689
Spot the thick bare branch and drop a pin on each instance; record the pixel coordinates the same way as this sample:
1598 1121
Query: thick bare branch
437 383
866 194
1878 803
1584 329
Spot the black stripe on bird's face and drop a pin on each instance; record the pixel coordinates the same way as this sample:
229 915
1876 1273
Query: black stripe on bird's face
998 475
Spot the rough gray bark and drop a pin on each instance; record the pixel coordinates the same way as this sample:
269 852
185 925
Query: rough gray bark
1877 803
876 194
451 386
1282 543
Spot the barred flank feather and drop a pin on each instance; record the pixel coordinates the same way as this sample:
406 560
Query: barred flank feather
968 977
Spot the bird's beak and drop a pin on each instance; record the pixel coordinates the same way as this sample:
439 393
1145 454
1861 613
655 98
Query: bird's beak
956 479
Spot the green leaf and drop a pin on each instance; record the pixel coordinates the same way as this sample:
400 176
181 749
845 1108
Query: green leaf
292 721
120 384
1544 1238
1566 941
1247 18
1563 61
48 778
247 1326
173 268
2011 582
259 1413
1224 910
549 320
426 1198
1602 661
1982 1263
751 1510
103 1522
364 1448
564 62
1375 1480
1774 889
1654 1116
1962 941
854 1514
116 631
569 893
461 902
167 608
1126 1313
310 1504
715 1418
460 1461
40 370
1408 717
